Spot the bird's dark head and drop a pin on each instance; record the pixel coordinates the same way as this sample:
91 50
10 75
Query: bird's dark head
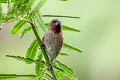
55 25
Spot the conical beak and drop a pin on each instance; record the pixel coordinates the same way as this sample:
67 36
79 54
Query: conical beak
58 23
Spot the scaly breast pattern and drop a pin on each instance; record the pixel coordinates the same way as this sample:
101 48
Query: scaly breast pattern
53 43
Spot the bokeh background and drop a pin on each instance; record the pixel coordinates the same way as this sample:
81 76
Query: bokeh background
99 39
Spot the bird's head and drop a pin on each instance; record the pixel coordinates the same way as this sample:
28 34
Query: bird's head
55 25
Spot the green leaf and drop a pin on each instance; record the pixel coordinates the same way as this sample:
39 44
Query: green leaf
63 0
64 27
49 75
28 29
18 8
9 76
63 66
17 27
71 76
25 59
2 15
67 71
12 0
39 22
3 1
69 28
22 58
71 47
32 50
59 74
39 67
1 10
64 54
44 78
37 7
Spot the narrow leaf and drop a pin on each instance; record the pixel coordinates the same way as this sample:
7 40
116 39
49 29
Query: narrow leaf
28 29
49 76
69 28
37 7
25 59
64 27
64 54
63 0
59 74
22 58
67 71
2 15
12 0
32 50
39 67
63 66
17 27
43 78
71 47
9 76
39 22
3 1
71 76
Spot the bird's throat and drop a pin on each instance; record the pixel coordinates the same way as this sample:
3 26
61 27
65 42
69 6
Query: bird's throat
58 29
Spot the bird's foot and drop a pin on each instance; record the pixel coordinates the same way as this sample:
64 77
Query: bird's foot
42 45
50 68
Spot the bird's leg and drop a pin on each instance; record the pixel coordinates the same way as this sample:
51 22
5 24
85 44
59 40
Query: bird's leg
50 68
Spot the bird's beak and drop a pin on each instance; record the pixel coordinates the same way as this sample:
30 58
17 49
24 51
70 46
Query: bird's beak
58 23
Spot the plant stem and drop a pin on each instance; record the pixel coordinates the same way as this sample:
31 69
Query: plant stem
43 50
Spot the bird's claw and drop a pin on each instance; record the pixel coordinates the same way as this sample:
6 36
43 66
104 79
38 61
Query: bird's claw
50 68
42 45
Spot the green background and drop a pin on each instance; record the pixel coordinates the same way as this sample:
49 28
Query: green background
99 39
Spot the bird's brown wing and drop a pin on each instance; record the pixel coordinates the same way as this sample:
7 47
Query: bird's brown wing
60 46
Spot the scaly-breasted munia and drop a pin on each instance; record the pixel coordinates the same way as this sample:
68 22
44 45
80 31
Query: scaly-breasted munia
53 39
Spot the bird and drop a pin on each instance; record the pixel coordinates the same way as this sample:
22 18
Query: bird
53 39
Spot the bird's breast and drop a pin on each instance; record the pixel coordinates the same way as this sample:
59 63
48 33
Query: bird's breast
53 43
